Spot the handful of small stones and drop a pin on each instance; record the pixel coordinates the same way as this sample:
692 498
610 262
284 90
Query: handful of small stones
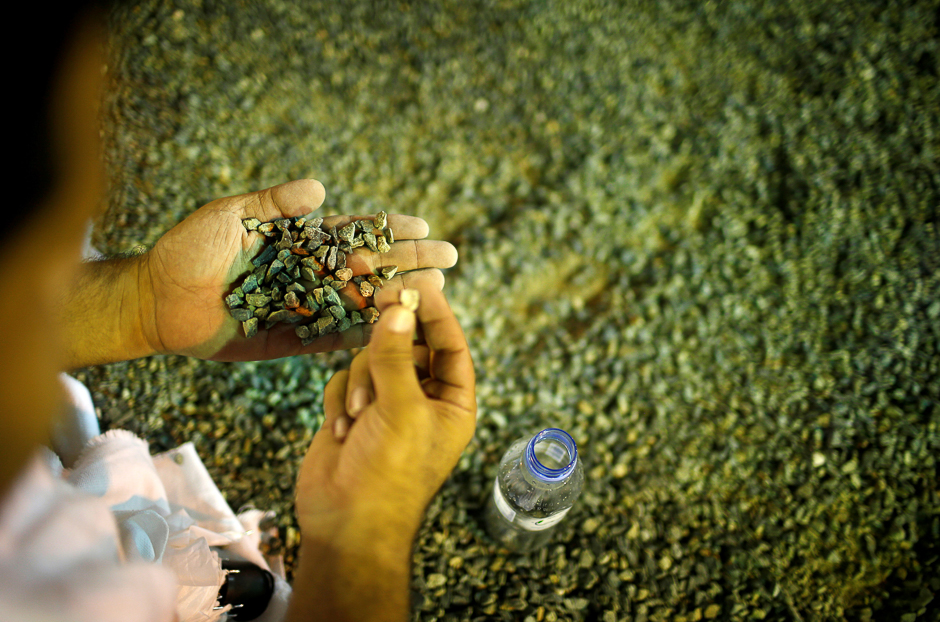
300 271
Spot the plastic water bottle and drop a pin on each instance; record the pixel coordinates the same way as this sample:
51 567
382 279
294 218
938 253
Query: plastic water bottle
539 479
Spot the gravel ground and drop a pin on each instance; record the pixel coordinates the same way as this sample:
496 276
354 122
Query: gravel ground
702 237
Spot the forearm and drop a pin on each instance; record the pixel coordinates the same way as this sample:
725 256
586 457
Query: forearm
365 580
101 313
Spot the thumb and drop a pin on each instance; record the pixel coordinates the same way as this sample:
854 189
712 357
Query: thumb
391 365
287 200
298 197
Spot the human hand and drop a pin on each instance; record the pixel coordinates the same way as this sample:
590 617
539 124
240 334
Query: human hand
187 273
396 423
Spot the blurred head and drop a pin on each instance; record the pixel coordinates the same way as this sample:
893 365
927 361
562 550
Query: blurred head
57 186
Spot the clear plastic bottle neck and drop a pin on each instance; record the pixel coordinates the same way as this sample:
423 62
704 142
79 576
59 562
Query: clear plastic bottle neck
551 455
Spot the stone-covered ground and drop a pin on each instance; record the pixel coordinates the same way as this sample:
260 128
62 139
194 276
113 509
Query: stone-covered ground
701 236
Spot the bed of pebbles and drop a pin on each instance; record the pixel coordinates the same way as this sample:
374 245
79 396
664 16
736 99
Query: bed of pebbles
702 237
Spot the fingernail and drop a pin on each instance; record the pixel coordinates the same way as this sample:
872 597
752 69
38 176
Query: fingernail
358 400
400 320
341 427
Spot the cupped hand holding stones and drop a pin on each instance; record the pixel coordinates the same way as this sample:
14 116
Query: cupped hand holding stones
383 457
194 266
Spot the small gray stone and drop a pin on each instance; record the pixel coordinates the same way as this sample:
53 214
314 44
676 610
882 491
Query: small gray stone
290 261
388 272
312 263
347 233
257 300
370 314
284 315
331 297
276 266
266 255
242 314
381 244
250 283
324 324
381 220
315 236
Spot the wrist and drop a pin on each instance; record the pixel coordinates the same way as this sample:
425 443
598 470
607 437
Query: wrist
360 571
134 304
362 528
383 548
102 313
145 309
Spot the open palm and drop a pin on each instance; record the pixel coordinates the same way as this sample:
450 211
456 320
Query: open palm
194 265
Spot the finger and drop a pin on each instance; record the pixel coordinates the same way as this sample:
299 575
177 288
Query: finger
323 452
421 355
294 198
334 405
334 397
391 365
341 427
452 375
407 255
359 392
406 227
403 227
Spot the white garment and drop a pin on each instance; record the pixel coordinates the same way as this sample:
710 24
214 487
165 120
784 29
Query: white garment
122 536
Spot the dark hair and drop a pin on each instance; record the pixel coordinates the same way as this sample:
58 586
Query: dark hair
36 58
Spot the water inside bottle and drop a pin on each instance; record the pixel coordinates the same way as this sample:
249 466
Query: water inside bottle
552 454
